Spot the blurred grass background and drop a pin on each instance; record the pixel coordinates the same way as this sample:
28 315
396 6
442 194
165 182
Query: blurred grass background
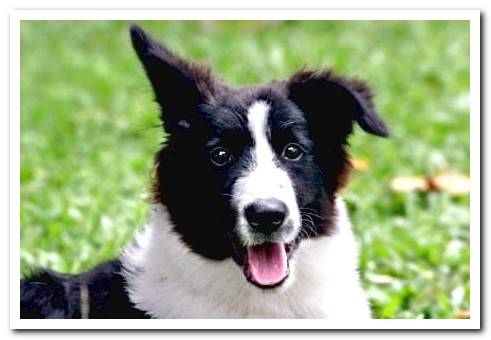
89 130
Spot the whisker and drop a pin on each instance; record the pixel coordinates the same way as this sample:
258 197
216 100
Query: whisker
313 214
308 225
308 209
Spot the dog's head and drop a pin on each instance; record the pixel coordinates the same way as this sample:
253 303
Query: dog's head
250 172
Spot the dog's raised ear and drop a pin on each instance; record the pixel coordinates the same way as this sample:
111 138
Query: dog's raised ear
179 85
332 103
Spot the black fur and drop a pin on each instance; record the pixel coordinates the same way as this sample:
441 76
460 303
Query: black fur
52 295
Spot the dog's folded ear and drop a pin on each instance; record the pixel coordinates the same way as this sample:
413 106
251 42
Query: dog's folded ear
179 85
332 103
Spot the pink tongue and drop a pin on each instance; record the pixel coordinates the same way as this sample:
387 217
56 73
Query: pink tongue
267 263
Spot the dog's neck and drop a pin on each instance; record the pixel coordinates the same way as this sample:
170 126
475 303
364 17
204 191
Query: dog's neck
167 279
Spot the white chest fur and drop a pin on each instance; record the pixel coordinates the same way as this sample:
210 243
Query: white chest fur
167 280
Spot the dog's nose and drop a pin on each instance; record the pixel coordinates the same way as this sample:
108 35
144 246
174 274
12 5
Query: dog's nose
266 215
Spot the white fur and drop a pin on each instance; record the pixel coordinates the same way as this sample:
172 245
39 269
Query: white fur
166 279
264 179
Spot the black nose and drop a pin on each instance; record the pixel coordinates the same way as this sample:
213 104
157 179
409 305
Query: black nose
266 215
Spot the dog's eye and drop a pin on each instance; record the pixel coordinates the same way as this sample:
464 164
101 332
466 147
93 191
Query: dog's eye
293 152
220 156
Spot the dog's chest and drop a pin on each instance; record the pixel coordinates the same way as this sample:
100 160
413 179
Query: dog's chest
229 303
222 292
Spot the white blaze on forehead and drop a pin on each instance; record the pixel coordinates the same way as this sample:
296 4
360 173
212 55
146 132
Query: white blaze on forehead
258 117
264 178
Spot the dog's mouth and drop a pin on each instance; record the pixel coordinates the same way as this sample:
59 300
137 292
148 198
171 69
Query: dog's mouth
266 265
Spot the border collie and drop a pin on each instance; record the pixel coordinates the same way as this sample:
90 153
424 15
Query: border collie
246 221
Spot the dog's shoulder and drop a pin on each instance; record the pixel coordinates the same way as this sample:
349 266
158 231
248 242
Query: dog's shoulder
97 293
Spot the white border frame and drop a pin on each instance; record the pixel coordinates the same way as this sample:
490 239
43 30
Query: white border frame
473 16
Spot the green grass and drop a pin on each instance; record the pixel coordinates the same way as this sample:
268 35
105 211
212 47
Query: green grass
89 130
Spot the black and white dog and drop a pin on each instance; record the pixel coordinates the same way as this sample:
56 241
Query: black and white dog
246 221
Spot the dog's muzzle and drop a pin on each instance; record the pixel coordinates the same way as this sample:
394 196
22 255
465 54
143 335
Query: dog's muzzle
268 227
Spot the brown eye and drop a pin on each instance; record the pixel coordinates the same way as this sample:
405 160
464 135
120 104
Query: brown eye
220 156
293 152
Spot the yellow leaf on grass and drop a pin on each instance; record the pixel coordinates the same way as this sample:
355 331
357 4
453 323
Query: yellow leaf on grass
463 314
360 164
453 183
409 183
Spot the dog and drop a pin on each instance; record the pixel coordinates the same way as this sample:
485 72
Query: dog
246 218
